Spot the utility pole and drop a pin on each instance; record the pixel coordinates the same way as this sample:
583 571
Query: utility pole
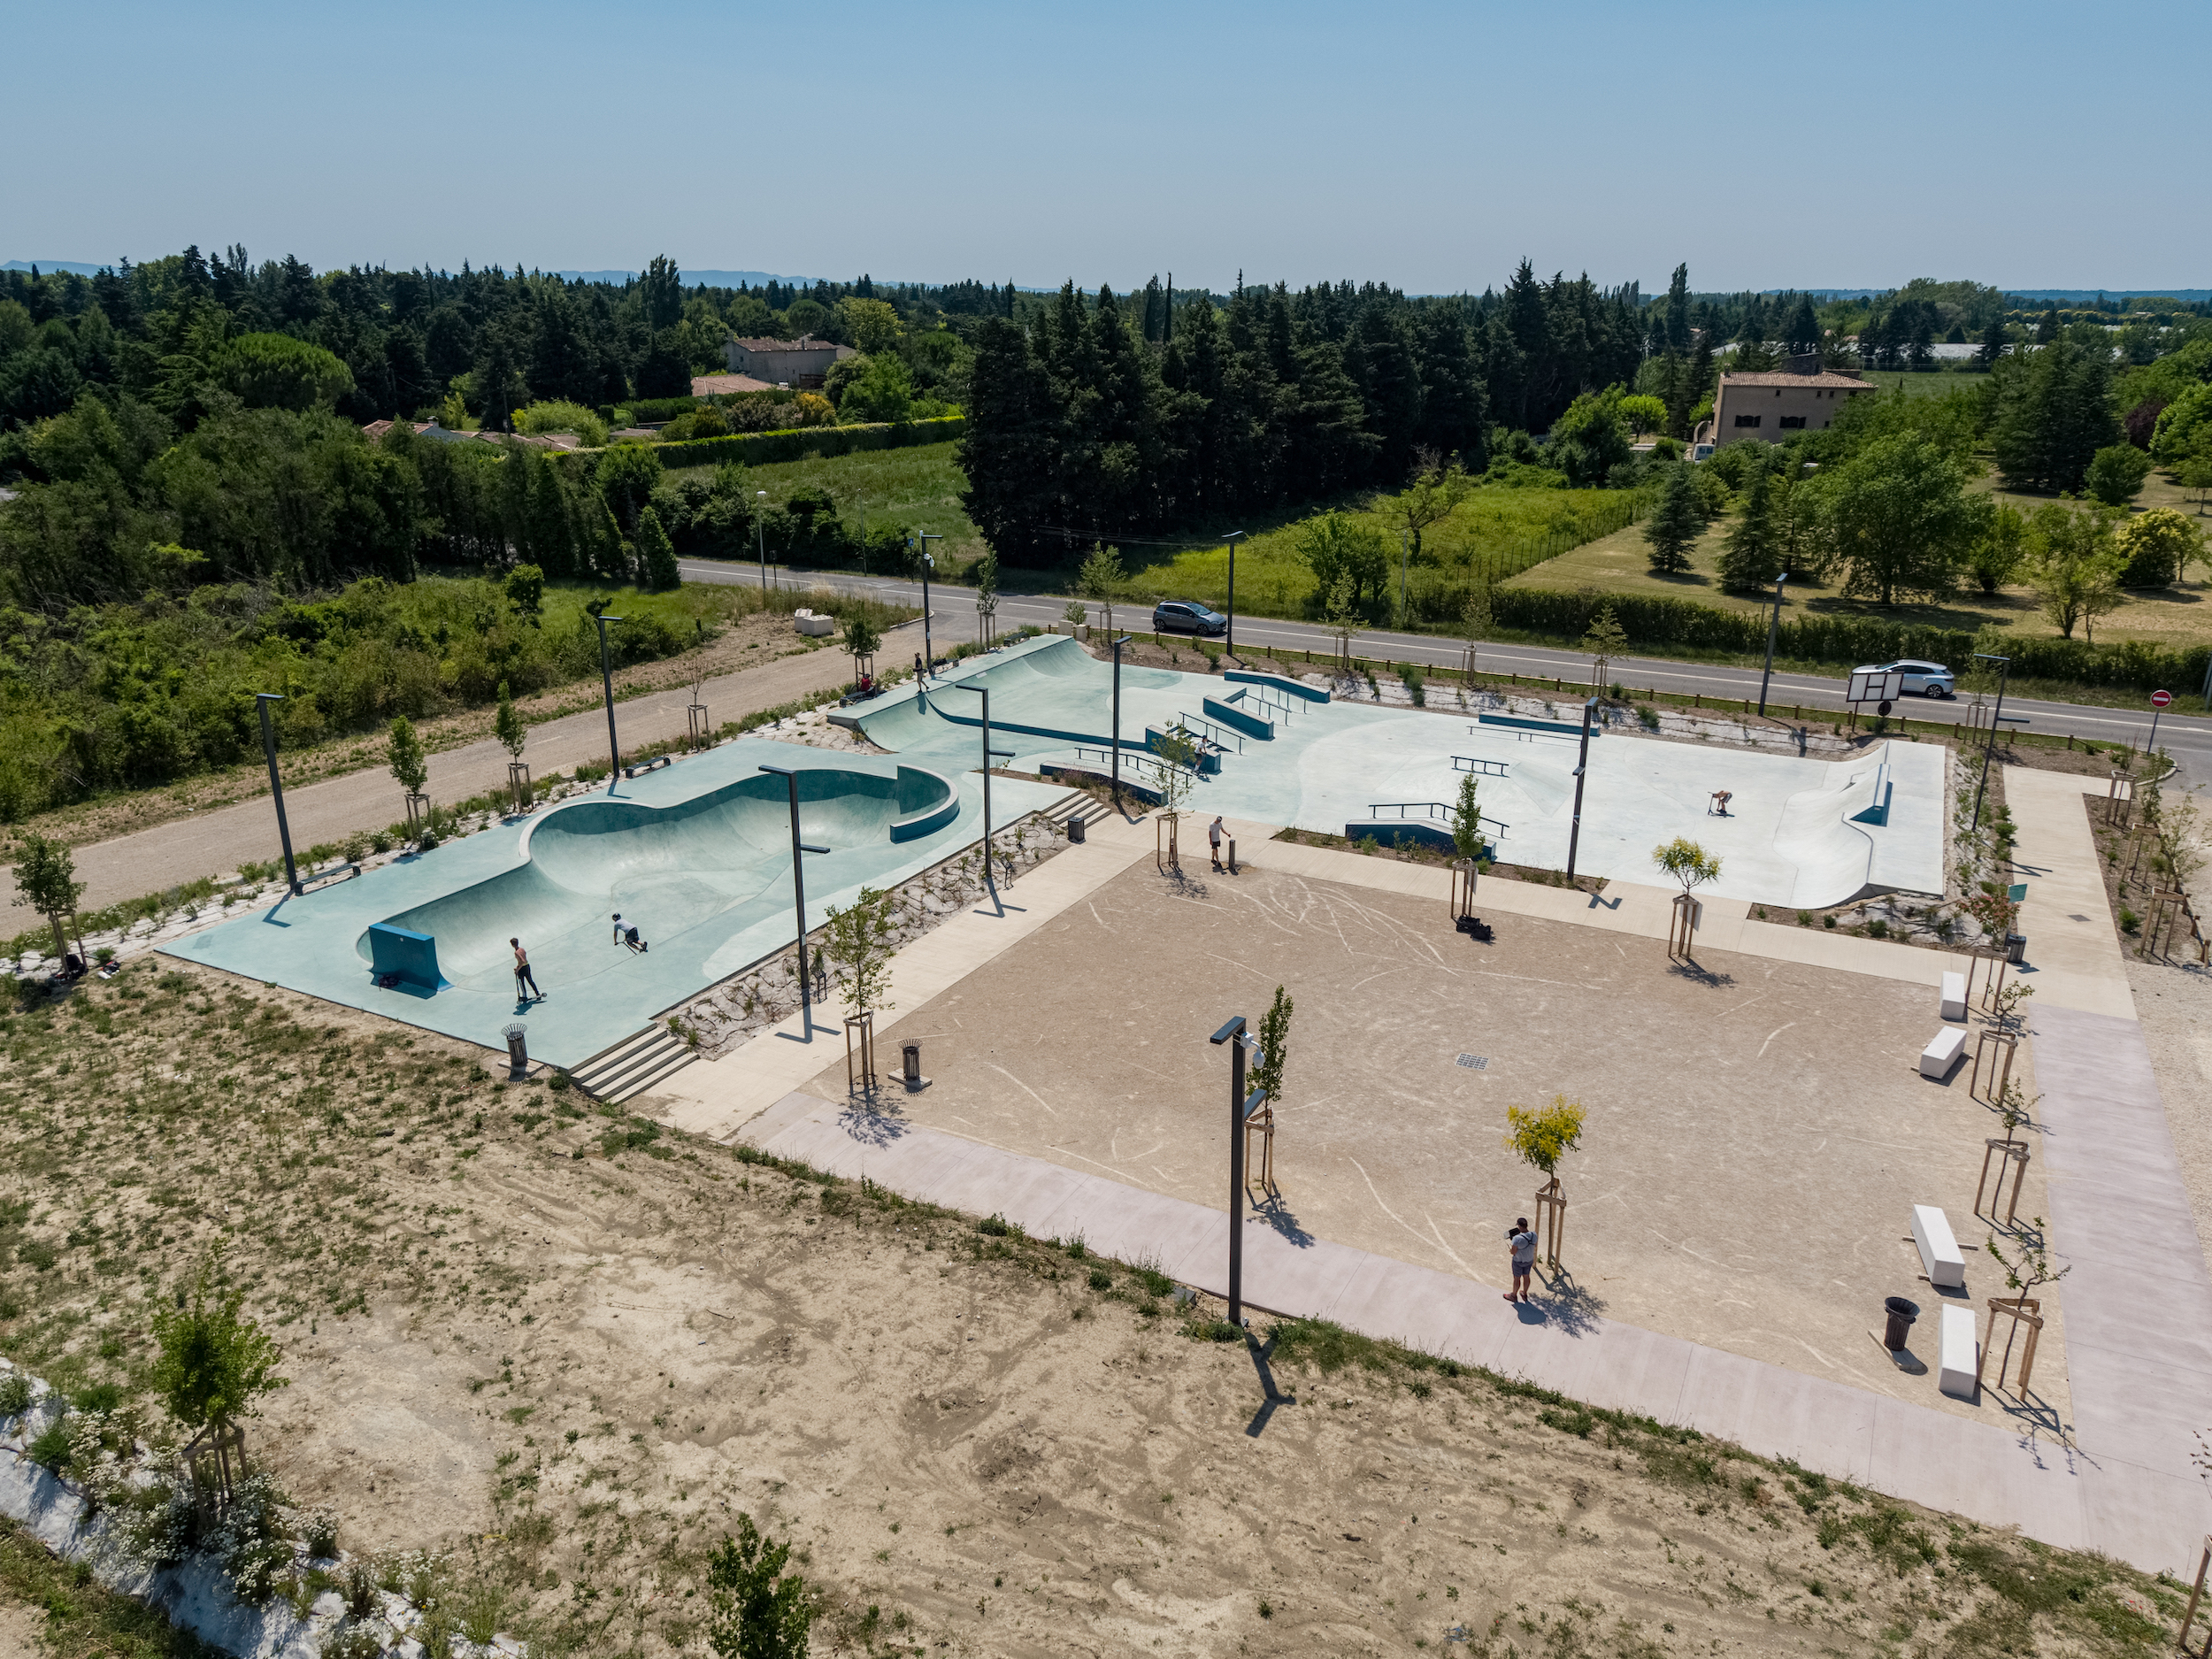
1229 640
798 894
1241 1107
1774 623
1582 769
760 538
929 657
2004 673
1118 643
261 700
606 680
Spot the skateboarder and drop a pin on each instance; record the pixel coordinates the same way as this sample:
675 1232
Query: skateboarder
1213 840
523 976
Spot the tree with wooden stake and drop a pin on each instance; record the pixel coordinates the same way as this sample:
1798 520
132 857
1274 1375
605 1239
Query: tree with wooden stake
507 726
1467 843
858 944
1100 575
212 1366
1692 866
861 641
1476 619
1605 641
410 767
1267 1073
2028 1270
1540 1138
1178 758
1340 619
2014 1109
46 879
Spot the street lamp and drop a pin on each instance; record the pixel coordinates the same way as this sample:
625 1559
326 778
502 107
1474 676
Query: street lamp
2004 672
984 692
606 679
1118 643
1774 623
1582 767
1242 1106
760 538
929 656
1229 638
262 700
798 895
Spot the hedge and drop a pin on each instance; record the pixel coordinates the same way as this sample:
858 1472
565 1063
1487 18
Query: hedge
754 448
1653 622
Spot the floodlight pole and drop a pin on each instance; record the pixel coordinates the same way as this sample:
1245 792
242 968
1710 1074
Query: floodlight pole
1240 1110
760 539
1229 637
1774 626
798 895
262 700
984 692
2004 672
606 680
1118 643
1582 768
929 656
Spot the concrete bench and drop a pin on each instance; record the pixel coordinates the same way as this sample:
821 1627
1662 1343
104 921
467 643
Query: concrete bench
816 626
1944 1049
1939 1256
1958 1358
1954 996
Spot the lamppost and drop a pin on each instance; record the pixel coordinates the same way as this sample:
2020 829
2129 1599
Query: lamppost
261 700
1241 1107
984 692
798 895
1229 637
760 538
1582 768
2004 672
1118 643
929 656
606 679
1774 623
1403 555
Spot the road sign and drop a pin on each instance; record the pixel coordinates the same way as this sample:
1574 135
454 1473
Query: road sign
2160 699
1874 685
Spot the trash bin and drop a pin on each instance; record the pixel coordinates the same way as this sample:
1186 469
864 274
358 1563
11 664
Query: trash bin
2017 948
1902 1314
1075 828
911 1063
517 1052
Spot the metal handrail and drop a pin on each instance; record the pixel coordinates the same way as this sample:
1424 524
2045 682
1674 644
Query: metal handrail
1430 810
1190 720
1477 763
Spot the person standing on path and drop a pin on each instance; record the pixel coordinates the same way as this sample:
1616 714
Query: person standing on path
523 976
1213 839
1522 1242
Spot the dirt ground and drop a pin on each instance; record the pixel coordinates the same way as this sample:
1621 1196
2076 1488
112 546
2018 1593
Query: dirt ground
568 1349
1757 1131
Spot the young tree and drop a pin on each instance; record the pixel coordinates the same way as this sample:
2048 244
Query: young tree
862 637
1476 617
2074 567
858 943
1605 640
1098 577
1267 1068
1467 818
1751 551
656 555
213 1364
526 592
46 879
1687 862
2115 474
1340 619
758 1611
1675 525
404 754
507 724
1899 519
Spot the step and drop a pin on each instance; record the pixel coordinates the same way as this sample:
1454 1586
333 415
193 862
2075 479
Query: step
615 1074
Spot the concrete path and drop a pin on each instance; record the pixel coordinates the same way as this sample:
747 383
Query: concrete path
2073 955
210 843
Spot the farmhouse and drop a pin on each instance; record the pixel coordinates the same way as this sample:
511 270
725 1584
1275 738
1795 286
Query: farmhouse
802 361
1800 397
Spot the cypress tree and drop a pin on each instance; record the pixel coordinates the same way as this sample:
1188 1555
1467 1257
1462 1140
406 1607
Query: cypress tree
1675 524
656 555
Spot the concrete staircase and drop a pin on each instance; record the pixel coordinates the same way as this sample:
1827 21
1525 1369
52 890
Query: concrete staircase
631 1067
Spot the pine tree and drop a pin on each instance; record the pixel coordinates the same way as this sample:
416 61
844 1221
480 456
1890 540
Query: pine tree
1747 563
1675 525
1702 380
1801 332
1994 344
2046 327
655 554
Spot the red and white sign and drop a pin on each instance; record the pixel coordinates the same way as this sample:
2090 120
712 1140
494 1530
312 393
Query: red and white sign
2160 699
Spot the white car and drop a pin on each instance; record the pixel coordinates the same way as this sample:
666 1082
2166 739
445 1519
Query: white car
1921 679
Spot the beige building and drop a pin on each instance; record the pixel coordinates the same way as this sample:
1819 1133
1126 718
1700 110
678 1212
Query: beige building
1800 397
801 362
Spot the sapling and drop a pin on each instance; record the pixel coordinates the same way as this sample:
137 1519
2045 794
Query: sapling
2025 1271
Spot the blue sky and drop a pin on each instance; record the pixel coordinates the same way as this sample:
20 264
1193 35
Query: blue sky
1429 146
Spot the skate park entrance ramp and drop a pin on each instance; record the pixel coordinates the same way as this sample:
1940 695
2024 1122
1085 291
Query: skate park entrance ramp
696 856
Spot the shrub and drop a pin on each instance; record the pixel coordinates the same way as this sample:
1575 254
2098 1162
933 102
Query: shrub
15 1395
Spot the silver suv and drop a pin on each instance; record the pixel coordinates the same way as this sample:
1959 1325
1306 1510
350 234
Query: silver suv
1921 679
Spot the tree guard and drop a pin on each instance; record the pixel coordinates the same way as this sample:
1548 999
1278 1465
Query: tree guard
1463 889
214 1462
2196 1594
1987 966
2021 1310
2167 909
1998 1047
2119 799
1551 1219
860 1053
1681 927
418 814
1163 849
700 733
2015 1154
518 786
1261 1122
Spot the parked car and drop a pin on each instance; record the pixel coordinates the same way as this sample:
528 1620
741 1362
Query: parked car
1921 679
1187 616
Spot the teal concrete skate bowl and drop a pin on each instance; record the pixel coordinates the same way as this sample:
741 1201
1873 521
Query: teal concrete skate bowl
695 855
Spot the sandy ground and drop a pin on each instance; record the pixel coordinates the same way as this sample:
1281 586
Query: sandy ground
1757 1131
211 838
570 1348
20 1631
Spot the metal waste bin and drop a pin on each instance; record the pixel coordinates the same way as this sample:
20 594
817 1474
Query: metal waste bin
1902 1314
2017 949
1075 828
517 1052
910 1062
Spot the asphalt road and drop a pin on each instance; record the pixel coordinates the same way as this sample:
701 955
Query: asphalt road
2187 738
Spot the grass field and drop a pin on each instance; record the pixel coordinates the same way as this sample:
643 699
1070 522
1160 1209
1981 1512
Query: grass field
920 486
1932 383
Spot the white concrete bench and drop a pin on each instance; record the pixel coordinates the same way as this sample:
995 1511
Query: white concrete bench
1954 996
1944 1049
1939 1257
816 626
1957 1357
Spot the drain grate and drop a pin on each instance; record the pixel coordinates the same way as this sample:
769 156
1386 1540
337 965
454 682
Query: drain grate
1474 1061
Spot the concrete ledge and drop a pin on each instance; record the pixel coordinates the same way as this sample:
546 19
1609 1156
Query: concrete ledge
1954 996
1944 1050
1312 693
1957 1356
1939 1257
